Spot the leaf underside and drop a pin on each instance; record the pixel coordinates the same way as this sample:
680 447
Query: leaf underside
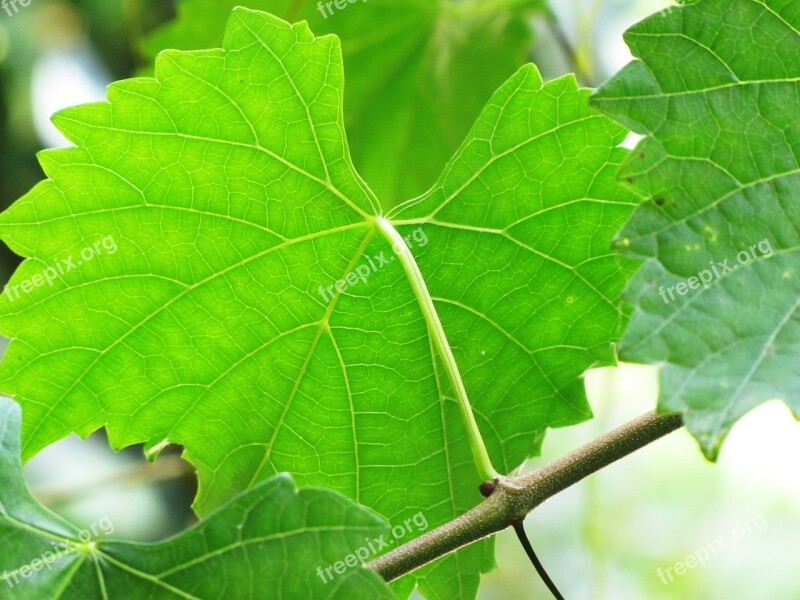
227 187
716 91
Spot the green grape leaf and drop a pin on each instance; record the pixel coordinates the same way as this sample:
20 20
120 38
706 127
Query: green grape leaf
272 541
715 90
206 267
418 72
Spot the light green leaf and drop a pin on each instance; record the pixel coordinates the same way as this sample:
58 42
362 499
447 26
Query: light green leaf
220 209
418 72
269 542
715 89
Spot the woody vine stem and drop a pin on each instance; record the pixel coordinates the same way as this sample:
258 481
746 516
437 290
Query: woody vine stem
510 499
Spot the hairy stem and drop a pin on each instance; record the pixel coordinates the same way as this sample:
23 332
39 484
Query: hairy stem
514 497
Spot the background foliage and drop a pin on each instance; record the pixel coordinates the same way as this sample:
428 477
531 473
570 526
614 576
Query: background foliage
616 565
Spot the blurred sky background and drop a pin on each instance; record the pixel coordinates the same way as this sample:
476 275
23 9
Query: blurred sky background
603 539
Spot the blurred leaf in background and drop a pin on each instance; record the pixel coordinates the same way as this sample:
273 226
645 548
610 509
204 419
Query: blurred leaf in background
418 72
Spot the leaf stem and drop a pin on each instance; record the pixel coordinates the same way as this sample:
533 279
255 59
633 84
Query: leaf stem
514 497
519 529
479 453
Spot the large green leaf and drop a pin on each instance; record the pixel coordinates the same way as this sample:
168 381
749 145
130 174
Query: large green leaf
418 72
267 543
716 90
226 188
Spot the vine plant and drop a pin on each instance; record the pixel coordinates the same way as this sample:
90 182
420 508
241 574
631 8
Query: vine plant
207 267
